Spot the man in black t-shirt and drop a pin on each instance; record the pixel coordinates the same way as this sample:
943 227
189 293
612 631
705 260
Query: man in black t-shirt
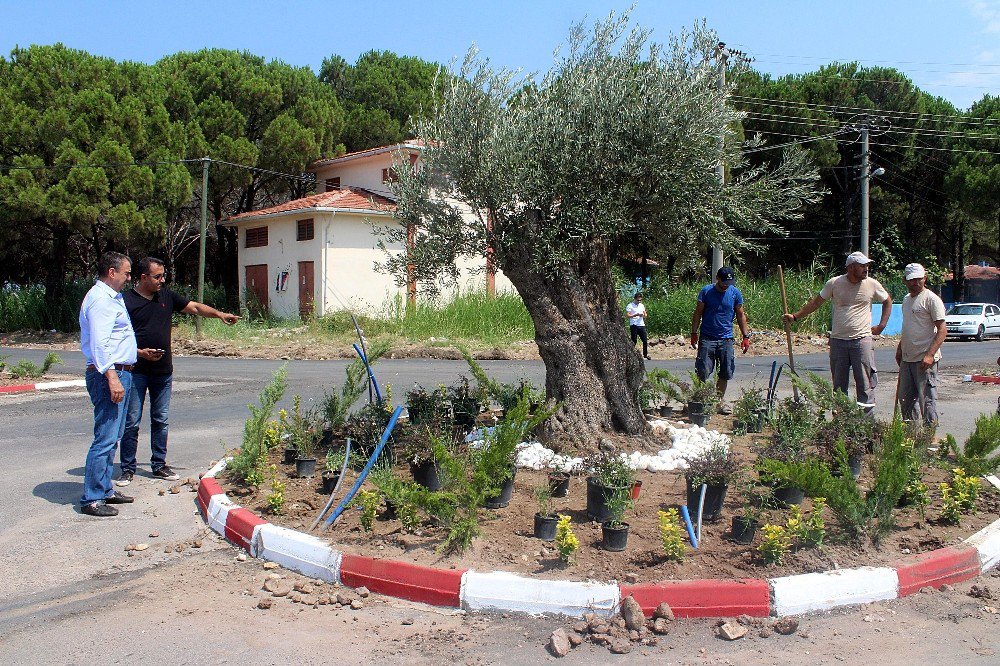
151 307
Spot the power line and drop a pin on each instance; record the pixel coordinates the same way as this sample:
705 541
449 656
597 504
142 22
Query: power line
845 110
806 139
860 60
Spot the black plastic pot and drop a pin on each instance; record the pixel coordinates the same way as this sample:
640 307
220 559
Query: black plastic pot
698 419
559 484
666 410
330 479
464 419
545 526
788 496
291 454
390 510
649 412
305 467
715 497
426 474
327 438
855 461
743 530
695 408
614 538
502 499
756 424
597 500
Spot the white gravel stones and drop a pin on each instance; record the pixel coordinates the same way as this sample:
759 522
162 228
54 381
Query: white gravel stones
687 442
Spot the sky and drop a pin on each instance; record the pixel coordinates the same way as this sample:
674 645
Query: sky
949 48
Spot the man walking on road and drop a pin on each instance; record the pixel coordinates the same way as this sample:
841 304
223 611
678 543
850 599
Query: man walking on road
636 313
718 304
108 344
851 347
919 348
151 307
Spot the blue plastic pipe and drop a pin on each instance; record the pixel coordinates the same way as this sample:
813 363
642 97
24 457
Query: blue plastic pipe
368 467
371 375
690 527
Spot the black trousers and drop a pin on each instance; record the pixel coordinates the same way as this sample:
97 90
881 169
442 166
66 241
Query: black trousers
639 332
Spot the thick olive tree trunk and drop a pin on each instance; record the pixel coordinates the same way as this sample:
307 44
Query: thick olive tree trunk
592 369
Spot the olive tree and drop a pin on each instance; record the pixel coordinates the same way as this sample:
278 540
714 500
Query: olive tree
613 149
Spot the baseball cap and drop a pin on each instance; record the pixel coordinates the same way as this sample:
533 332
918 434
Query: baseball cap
727 275
914 271
857 258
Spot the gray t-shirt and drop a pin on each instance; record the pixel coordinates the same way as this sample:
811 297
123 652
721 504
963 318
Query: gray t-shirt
919 314
852 305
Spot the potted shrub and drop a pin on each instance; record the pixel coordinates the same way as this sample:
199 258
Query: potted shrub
305 434
609 472
466 404
331 469
423 406
664 386
746 522
839 417
701 397
559 483
750 409
614 531
713 468
494 459
793 425
545 518
419 453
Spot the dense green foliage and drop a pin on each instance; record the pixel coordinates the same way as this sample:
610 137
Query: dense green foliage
865 516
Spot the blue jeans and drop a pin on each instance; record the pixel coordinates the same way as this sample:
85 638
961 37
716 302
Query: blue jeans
159 387
711 352
109 424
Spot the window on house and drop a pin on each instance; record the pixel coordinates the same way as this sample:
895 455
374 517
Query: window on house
388 175
332 184
256 237
305 230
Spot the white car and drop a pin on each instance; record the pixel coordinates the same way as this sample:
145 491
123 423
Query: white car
972 320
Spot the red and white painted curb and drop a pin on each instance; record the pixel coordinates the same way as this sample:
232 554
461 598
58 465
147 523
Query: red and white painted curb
503 591
44 386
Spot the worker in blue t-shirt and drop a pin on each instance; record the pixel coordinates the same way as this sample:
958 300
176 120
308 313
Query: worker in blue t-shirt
718 305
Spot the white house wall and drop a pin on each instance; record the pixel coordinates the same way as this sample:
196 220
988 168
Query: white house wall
351 255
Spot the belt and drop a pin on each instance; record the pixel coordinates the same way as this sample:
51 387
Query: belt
121 367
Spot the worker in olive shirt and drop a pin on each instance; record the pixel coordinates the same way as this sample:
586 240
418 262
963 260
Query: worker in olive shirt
852 350
151 307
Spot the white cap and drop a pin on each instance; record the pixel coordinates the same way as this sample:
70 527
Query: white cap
914 271
857 258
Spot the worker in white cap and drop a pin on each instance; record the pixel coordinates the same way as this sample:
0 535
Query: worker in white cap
919 348
852 350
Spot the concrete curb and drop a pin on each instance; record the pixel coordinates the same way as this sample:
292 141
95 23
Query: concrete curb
504 591
44 386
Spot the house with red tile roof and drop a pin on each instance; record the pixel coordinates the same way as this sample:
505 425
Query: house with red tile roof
317 254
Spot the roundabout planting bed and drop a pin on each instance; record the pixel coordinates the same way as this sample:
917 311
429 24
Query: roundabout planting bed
508 543
908 511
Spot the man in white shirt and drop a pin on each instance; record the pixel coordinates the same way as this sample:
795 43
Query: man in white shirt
108 344
852 350
919 348
636 313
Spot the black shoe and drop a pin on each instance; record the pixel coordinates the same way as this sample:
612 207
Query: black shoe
165 473
125 479
117 498
99 510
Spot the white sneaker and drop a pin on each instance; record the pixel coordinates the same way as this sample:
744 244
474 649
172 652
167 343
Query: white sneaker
125 479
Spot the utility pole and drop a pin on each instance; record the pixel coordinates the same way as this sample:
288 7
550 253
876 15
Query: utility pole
867 126
722 56
865 177
205 161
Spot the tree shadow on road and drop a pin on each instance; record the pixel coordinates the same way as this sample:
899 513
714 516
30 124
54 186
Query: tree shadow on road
59 492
